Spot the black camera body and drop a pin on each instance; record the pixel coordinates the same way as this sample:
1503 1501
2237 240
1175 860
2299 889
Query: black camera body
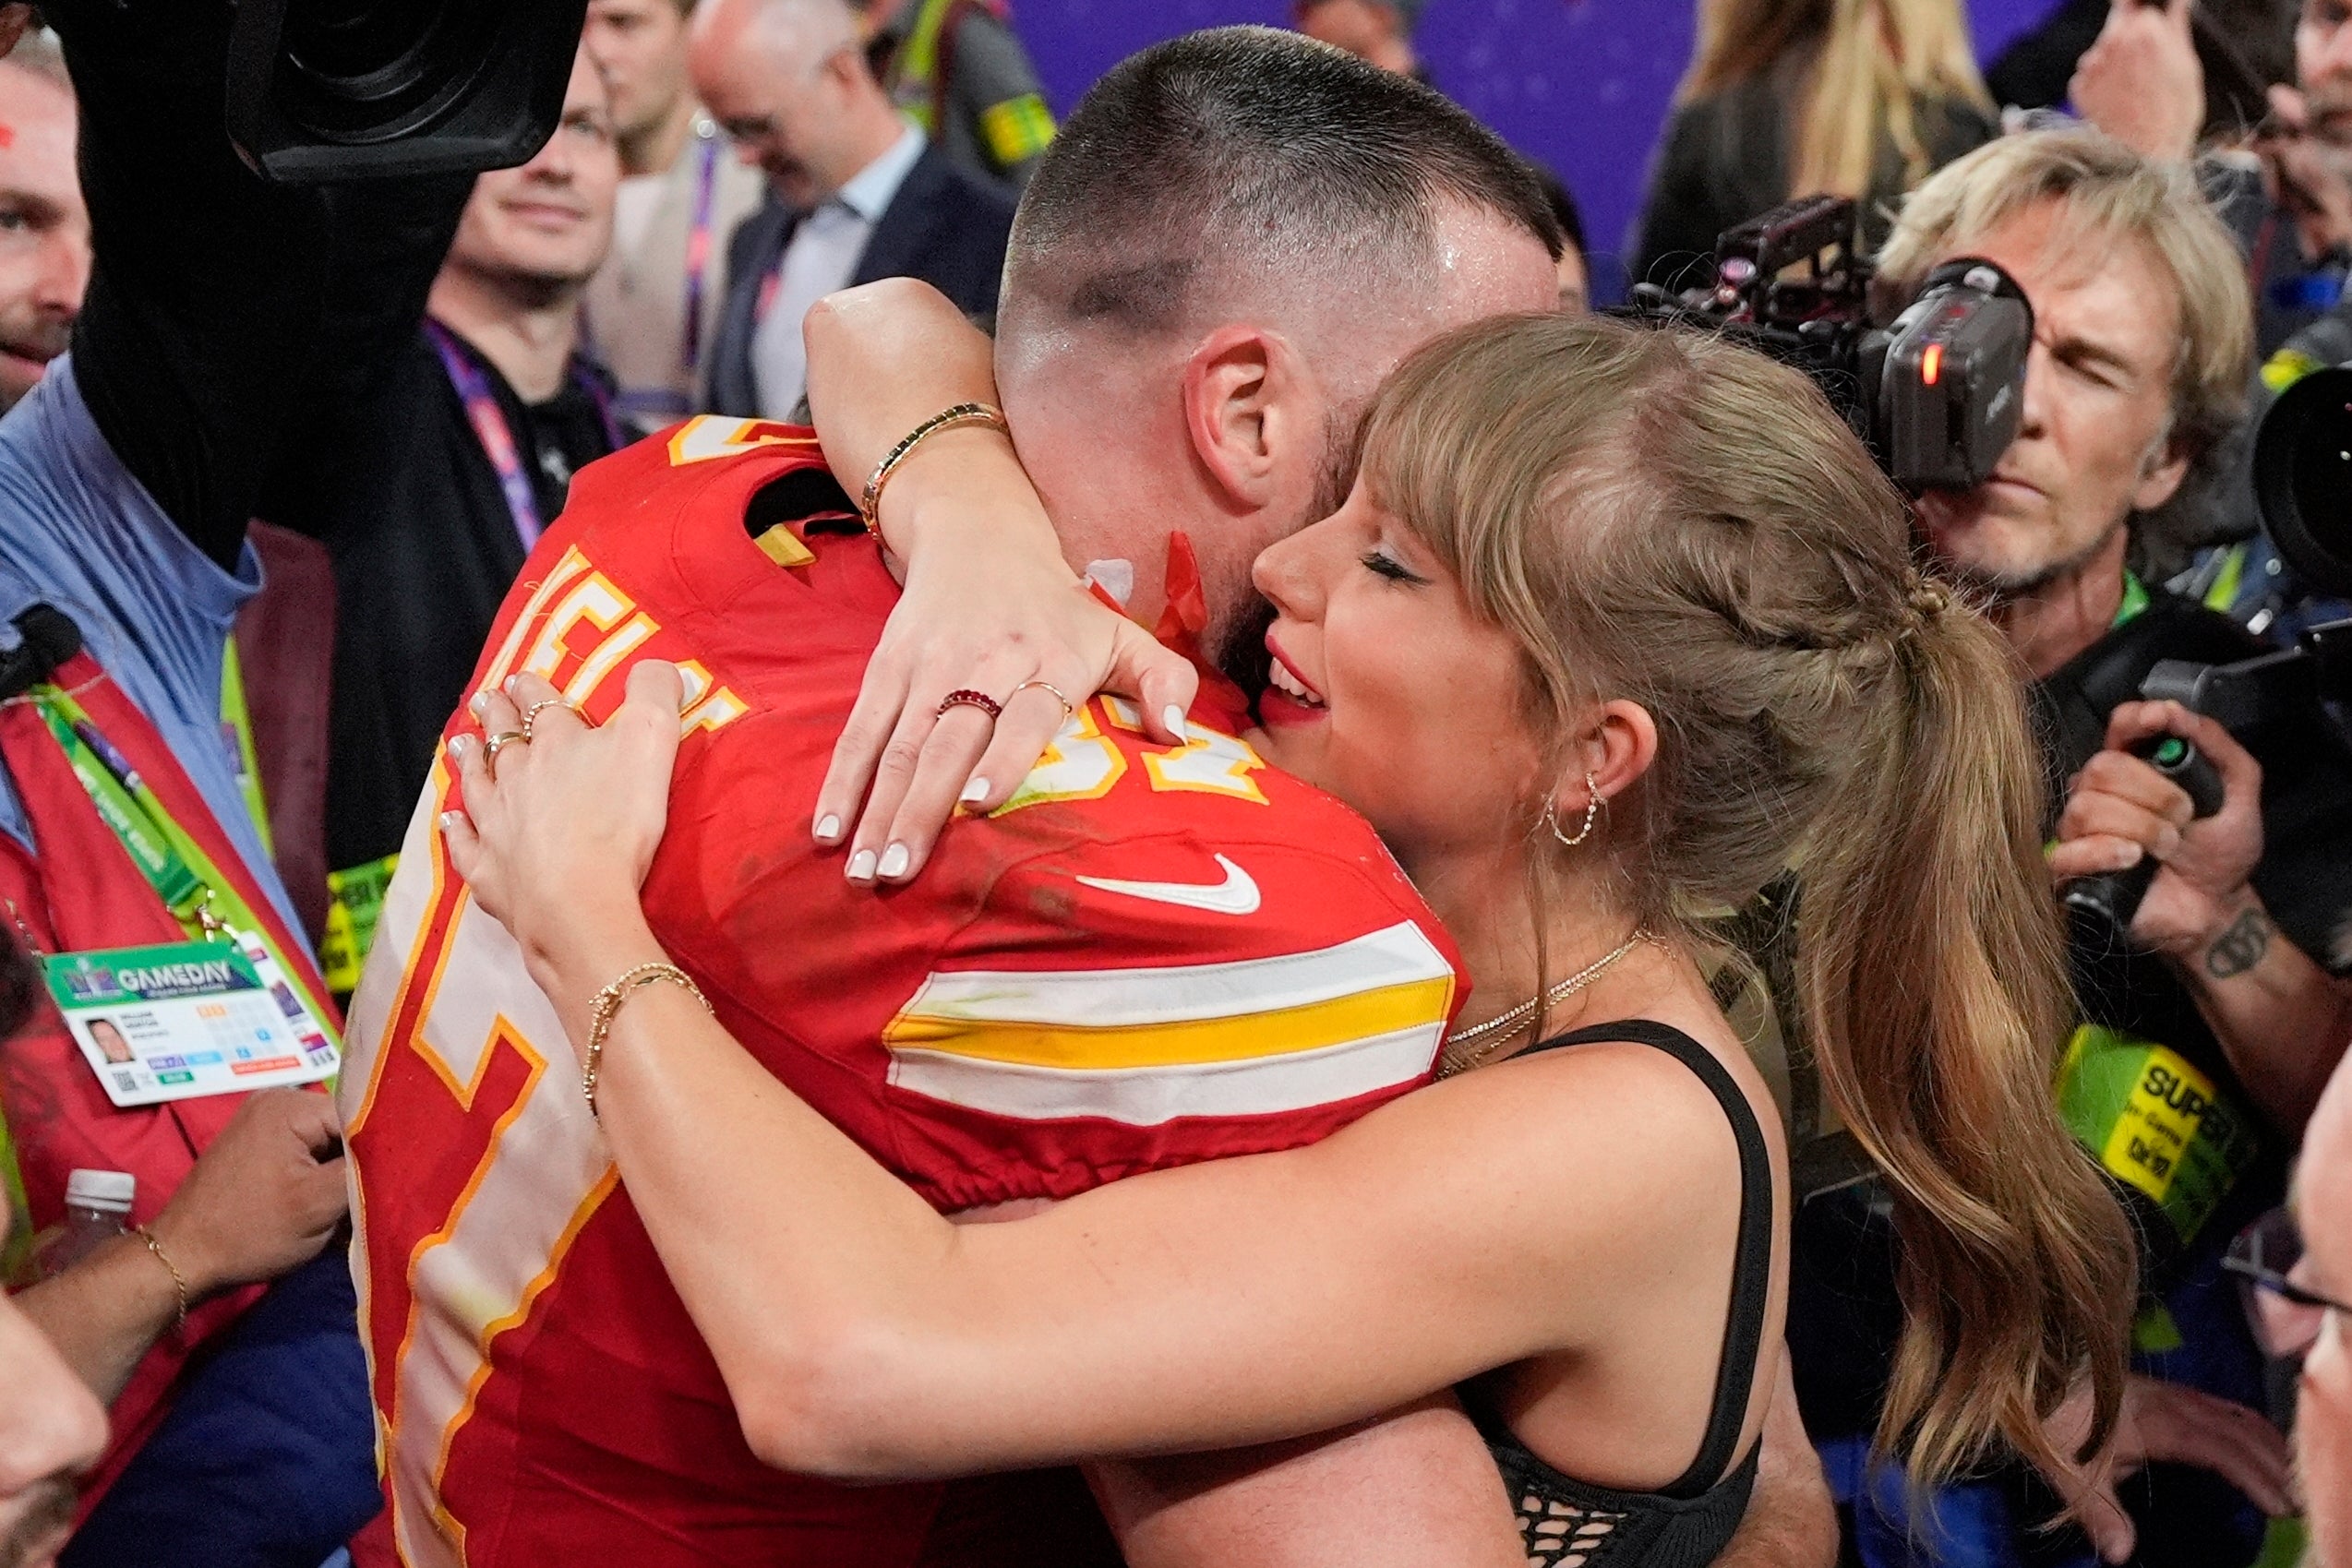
1936 394
343 90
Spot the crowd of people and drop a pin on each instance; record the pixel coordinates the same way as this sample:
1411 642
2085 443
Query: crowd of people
843 827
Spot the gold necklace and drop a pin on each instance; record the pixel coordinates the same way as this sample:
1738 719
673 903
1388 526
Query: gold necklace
1505 1025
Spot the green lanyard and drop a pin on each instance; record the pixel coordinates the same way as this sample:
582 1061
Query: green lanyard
206 903
238 719
2135 602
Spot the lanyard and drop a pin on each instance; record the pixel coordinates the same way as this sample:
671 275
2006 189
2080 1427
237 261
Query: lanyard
2135 602
206 903
697 247
491 429
237 719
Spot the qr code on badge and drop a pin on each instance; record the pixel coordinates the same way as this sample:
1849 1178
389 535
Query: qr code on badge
126 1082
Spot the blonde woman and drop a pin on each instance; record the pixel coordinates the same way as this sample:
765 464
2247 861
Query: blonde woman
1595 664
1859 98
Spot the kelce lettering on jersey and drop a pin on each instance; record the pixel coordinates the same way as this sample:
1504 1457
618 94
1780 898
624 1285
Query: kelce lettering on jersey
507 1224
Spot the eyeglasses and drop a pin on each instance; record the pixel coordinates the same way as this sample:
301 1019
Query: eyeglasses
2286 1315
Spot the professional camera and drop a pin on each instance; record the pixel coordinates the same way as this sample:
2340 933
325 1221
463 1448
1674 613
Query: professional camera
1936 394
343 90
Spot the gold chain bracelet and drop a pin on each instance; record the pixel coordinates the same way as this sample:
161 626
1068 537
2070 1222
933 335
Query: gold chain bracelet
869 504
606 1006
179 1281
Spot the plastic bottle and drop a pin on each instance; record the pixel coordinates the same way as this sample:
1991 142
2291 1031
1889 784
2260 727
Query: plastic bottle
97 1206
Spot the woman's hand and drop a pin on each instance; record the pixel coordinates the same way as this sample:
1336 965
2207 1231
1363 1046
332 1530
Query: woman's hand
1013 625
557 835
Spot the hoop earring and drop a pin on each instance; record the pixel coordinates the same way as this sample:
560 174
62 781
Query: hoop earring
1591 814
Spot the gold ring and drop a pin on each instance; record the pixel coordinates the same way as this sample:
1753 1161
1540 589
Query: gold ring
1068 709
490 749
533 712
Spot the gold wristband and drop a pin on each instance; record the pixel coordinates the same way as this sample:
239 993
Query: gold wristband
179 1282
869 504
606 1006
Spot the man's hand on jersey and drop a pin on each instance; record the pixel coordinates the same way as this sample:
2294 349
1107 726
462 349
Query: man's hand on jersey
556 839
1008 626
2119 809
259 1201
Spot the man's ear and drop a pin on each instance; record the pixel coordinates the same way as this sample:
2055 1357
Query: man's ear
1239 386
2161 475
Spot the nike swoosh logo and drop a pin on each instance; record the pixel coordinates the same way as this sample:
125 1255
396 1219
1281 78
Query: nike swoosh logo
1237 894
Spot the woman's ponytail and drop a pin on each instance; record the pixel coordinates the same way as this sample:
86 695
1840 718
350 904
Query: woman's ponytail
1931 970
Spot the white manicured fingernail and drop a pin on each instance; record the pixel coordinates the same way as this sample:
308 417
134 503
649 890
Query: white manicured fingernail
893 861
828 828
507 685
481 701
1174 717
449 820
862 866
458 745
974 793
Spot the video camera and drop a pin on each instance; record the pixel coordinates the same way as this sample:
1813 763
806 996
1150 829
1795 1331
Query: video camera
1936 394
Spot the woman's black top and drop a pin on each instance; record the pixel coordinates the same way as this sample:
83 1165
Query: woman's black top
1570 1524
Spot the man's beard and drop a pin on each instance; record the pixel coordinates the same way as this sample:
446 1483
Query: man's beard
48 1505
34 334
1994 587
1240 653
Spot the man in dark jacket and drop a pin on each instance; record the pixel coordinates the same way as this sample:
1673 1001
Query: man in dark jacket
856 192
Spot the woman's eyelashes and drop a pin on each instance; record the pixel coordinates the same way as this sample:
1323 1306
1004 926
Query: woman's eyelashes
1380 562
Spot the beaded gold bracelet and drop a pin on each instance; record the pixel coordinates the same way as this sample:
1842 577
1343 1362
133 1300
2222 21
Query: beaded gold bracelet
606 1006
179 1281
869 504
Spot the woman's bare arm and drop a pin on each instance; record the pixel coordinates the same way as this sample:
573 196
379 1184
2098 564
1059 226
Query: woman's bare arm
1464 1227
990 603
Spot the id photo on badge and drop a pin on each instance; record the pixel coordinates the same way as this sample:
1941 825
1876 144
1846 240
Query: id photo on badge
186 1019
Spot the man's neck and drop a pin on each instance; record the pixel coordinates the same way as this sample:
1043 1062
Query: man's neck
526 330
2050 625
875 129
654 149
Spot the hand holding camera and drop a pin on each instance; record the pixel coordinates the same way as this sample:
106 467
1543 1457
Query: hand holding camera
2171 809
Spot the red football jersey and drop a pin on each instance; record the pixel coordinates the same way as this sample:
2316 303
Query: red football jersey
1151 955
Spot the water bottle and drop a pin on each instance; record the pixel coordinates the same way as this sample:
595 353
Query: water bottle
97 1206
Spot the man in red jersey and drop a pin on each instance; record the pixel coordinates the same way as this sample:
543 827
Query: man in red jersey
1153 954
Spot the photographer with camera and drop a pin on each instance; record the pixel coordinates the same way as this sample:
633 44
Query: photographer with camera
2137 367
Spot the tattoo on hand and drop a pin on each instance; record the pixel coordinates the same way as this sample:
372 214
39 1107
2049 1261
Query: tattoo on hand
2239 948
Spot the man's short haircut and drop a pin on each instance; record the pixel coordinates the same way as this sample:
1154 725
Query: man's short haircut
2111 195
1261 151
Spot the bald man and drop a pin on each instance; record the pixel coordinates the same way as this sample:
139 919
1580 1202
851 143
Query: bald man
855 191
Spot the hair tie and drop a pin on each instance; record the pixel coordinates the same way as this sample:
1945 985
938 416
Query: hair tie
1930 599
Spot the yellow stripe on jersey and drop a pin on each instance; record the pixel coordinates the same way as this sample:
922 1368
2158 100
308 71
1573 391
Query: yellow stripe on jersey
1146 1046
1277 1032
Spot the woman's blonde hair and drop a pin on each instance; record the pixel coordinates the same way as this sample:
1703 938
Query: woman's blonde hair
1879 63
1670 519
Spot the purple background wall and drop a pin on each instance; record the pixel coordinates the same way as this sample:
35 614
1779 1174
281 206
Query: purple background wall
1580 85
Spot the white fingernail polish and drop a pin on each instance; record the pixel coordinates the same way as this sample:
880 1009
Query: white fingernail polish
507 685
481 701
828 827
862 866
1174 718
458 743
893 861
450 820
974 793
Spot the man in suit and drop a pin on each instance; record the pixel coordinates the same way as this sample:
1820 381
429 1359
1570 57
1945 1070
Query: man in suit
856 192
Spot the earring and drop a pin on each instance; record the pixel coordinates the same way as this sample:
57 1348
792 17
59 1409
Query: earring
1591 814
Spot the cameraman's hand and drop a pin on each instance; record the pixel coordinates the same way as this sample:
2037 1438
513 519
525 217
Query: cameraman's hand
2164 1423
260 1202
2119 809
2141 81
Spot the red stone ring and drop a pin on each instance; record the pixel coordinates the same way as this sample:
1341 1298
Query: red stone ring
964 696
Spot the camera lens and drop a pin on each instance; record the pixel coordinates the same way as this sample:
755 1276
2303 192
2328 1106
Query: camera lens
2303 478
359 71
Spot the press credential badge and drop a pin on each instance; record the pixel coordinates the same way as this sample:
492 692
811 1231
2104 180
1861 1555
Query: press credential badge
183 1020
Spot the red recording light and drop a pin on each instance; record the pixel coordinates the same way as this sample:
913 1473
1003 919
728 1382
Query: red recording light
1931 365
